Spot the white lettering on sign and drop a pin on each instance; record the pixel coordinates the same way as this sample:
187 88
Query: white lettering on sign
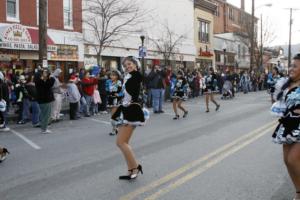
16 33
21 46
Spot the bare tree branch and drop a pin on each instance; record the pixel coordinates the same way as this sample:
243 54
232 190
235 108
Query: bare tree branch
109 20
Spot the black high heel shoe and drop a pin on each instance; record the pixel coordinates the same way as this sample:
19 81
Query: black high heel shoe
176 117
185 114
132 175
4 154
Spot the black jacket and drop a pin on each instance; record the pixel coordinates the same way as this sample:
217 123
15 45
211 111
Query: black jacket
156 79
44 90
4 91
32 92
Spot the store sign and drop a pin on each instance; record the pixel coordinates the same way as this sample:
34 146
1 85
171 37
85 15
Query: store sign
17 34
24 46
18 37
65 53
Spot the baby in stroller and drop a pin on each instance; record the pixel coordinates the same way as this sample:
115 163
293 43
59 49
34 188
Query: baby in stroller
227 90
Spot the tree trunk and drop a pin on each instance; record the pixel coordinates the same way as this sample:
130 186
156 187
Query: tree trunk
99 59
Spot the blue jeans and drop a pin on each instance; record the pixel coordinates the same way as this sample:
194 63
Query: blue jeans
157 99
26 109
87 107
35 117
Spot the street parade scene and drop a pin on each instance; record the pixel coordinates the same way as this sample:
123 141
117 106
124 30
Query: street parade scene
149 99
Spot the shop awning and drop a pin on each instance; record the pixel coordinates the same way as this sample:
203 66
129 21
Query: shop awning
18 37
34 33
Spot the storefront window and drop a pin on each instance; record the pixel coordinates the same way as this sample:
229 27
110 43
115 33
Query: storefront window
68 14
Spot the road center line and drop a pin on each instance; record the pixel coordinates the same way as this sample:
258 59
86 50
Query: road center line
25 139
193 164
101 121
206 167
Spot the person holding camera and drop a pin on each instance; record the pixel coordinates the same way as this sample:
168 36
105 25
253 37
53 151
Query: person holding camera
45 97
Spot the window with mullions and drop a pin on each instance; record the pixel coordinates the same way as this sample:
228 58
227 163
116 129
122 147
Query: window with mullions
68 14
12 8
231 14
203 35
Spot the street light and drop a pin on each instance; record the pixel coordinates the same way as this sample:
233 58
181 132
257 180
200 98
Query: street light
142 55
224 50
290 34
252 30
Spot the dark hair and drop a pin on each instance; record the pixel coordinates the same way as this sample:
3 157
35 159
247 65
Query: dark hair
132 59
116 73
297 56
276 69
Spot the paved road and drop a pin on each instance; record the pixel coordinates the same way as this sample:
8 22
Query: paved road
219 155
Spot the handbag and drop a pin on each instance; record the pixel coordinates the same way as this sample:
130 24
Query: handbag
2 105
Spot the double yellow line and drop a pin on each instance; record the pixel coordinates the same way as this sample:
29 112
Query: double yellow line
201 165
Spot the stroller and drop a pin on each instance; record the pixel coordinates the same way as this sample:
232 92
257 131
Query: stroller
227 90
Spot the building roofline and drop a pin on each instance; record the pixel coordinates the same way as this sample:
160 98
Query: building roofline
206 4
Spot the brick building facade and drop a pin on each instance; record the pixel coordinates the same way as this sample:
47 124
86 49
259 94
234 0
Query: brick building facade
19 34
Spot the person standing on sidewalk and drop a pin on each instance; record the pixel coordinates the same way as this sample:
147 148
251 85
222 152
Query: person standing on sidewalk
45 97
287 132
32 95
58 96
73 96
157 84
4 94
88 86
102 90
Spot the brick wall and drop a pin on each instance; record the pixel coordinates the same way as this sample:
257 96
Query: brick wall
28 15
2 11
28 12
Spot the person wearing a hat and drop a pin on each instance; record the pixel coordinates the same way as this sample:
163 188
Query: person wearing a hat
115 93
22 97
45 97
58 95
73 96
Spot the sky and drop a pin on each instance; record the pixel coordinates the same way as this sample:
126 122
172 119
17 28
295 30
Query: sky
278 18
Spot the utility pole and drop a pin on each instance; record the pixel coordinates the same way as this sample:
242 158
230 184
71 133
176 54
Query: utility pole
261 44
290 34
252 36
43 32
290 37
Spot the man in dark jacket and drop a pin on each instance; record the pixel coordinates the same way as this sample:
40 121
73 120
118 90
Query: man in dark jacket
157 85
4 94
45 97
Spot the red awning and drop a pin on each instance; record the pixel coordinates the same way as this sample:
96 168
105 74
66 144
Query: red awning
35 37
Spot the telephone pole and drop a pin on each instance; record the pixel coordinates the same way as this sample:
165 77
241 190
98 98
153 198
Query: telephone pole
252 36
43 32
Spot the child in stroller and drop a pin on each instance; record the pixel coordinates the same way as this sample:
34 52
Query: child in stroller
227 90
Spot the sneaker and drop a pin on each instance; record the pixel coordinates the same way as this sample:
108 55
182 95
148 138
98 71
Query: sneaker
5 129
47 131
21 122
218 107
36 125
161 111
